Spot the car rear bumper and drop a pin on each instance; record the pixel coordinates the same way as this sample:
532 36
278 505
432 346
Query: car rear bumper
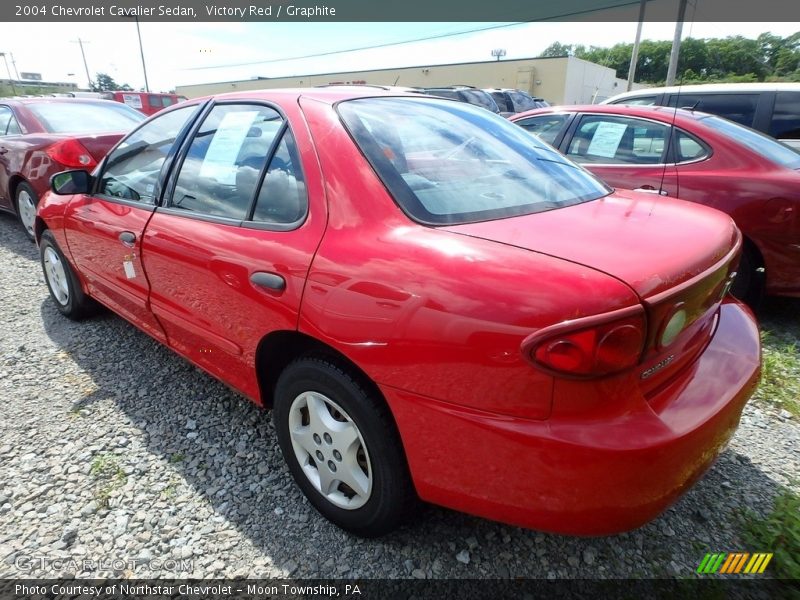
586 477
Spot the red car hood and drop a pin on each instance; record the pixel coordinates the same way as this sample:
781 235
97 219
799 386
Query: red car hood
652 243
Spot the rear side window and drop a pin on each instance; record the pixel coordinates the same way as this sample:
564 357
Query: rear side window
740 108
220 172
545 127
8 123
446 162
282 197
688 148
521 102
85 117
479 98
786 116
618 140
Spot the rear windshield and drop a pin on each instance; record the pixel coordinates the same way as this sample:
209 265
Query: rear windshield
447 163
764 145
85 117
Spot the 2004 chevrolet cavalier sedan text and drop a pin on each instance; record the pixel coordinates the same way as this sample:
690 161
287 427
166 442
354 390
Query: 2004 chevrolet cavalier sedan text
435 304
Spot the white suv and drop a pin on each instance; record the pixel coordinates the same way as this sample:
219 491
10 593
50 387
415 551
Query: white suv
773 108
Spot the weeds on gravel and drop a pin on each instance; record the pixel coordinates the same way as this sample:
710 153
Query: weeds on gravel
105 468
778 532
780 373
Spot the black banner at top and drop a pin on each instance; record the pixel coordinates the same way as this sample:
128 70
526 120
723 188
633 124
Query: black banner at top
391 10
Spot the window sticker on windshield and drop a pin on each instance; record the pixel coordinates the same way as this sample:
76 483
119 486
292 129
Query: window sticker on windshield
132 100
220 160
606 139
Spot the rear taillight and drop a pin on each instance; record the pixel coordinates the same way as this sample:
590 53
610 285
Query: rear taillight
71 153
592 346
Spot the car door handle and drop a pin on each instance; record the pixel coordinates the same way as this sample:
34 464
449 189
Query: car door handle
271 281
3 149
650 190
128 238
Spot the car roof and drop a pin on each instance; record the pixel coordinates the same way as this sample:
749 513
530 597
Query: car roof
57 100
659 113
330 94
733 88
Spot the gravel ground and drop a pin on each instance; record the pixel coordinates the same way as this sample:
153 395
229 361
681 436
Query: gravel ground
112 447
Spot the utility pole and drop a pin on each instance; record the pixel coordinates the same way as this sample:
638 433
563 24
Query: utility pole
141 52
676 44
14 64
635 54
10 78
85 66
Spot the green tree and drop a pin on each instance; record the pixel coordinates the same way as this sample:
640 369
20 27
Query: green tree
103 82
557 49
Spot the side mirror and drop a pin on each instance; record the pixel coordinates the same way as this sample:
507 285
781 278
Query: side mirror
71 182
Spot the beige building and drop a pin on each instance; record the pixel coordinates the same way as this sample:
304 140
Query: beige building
559 80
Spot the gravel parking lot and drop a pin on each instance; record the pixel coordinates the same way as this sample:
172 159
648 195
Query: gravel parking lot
112 447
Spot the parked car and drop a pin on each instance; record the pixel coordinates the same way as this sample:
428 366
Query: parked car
772 108
698 157
464 93
511 101
432 303
42 136
145 102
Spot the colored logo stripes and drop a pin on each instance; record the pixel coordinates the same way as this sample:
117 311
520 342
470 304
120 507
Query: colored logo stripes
734 562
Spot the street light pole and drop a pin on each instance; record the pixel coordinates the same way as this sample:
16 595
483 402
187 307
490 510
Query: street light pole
85 65
635 54
141 52
676 44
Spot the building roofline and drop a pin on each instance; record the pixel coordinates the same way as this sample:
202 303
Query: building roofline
426 66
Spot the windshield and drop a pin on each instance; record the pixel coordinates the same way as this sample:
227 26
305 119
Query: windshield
447 162
85 117
768 147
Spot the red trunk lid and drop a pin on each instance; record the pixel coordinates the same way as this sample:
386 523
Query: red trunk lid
677 256
98 144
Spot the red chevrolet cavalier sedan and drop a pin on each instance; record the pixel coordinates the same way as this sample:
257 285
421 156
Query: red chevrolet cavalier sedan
434 304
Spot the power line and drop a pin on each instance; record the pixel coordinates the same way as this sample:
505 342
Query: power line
372 47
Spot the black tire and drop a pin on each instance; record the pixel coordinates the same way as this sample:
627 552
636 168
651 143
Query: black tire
749 283
392 493
76 305
21 196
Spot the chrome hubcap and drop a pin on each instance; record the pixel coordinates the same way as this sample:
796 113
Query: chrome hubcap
56 276
27 211
330 450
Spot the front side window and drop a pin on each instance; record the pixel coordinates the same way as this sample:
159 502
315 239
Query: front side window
132 169
85 117
447 163
618 140
545 127
220 172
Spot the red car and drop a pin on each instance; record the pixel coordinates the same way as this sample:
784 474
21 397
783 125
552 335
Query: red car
42 136
433 304
698 157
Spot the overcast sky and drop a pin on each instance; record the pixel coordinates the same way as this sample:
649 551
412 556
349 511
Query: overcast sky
184 53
